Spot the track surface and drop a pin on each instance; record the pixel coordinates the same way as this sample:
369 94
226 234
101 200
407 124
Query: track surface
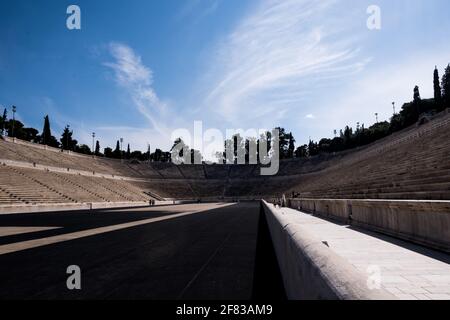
204 255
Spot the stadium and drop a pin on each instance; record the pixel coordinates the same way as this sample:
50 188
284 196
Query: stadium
400 196
361 216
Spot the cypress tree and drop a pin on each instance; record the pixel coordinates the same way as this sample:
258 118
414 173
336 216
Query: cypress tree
97 148
446 87
291 148
116 152
46 132
437 89
416 94
417 101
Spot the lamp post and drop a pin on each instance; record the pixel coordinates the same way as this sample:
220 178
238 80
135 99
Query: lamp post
43 134
149 153
67 137
14 109
376 116
121 153
393 107
93 144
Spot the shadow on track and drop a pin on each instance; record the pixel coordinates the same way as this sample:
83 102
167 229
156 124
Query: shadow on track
268 282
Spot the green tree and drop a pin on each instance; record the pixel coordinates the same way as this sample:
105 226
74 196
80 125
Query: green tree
30 134
196 156
108 152
397 123
268 139
239 147
46 137
348 132
20 132
128 154
302 151
67 141
157 156
251 157
337 144
417 100
437 89
409 114
117 152
148 154
291 148
313 149
284 143
18 128
325 145
46 132
84 149
416 94
446 87
137 155
97 148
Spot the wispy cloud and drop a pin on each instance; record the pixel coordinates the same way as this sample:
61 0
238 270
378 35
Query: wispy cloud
274 58
310 116
198 8
137 79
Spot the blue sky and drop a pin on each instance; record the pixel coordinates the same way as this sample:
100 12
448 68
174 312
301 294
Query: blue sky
141 69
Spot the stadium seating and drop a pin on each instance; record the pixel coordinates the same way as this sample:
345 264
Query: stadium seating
417 168
192 171
169 189
411 164
26 189
31 186
209 189
33 153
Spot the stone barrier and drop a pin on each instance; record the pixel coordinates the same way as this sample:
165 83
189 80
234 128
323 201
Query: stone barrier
423 222
310 269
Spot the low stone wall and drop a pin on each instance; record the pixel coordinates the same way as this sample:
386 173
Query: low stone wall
423 222
173 202
310 269
109 205
17 209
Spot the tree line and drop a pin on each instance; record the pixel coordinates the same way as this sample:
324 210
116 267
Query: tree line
14 128
345 139
348 137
